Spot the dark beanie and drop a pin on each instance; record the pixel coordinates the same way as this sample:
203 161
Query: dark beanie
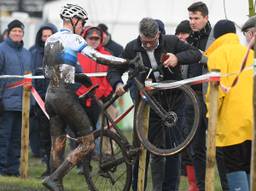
183 27
15 24
103 27
160 26
223 27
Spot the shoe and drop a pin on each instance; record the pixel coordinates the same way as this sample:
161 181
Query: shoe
53 185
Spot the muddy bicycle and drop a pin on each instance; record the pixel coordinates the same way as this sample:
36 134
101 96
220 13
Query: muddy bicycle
112 169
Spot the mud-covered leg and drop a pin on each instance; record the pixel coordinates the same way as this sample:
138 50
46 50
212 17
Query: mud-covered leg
54 181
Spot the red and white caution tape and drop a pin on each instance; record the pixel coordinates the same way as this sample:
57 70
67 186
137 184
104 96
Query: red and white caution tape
97 74
211 76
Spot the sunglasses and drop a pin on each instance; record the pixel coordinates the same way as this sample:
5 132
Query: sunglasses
94 38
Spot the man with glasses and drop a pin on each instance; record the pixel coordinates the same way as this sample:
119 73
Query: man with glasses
62 104
249 28
152 46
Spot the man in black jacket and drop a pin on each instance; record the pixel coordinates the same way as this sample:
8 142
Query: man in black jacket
201 29
152 45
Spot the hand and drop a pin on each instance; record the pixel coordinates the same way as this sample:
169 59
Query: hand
83 79
171 60
120 89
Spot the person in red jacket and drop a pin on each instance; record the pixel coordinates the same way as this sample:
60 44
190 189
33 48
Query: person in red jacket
94 36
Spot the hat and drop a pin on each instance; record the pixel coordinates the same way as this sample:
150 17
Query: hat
250 23
223 27
161 26
183 27
15 24
103 27
93 32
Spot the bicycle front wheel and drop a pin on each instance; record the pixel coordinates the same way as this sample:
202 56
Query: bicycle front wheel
110 168
172 133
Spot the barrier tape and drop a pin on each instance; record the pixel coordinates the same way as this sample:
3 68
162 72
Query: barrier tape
98 74
39 101
211 76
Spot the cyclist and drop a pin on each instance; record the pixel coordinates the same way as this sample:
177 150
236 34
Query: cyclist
62 104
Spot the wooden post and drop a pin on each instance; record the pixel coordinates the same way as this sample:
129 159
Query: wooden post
251 8
143 153
211 133
25 128
253 155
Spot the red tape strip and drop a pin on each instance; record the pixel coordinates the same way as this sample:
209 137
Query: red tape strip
39 101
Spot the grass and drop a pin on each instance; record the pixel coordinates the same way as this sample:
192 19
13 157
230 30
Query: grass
72 182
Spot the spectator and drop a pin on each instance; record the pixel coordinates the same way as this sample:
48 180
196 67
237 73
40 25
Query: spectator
40 139
183 31
93 37
112 46
235 123
249 28
14 60
151 44
199 38
161 26
62 105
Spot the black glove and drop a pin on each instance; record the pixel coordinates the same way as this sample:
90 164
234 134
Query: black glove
83 79
1 107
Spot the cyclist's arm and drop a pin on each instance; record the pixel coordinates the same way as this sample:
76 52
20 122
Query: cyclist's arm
102 58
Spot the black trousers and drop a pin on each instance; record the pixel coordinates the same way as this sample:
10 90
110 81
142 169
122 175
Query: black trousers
237 157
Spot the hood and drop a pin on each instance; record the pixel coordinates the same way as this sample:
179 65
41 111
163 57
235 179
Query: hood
229 38
50 26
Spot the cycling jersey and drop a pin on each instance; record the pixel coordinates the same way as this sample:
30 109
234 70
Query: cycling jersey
66 57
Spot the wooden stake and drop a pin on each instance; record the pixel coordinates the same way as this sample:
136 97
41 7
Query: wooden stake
253 155
211 133
143 153
25 129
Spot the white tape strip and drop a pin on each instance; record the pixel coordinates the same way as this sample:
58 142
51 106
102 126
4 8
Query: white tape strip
98 74
205 77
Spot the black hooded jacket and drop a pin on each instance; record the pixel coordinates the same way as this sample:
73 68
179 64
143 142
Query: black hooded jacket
37 52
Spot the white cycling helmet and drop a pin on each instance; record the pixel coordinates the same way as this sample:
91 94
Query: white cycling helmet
70 10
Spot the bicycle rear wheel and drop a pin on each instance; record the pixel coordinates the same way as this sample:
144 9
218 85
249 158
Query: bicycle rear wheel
110 170
171 134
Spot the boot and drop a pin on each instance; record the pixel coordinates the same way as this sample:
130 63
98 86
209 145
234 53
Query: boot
54 181
57 151
191 178
238 181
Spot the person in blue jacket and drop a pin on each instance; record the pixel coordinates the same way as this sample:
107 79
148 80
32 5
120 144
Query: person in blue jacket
14 60
39 134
